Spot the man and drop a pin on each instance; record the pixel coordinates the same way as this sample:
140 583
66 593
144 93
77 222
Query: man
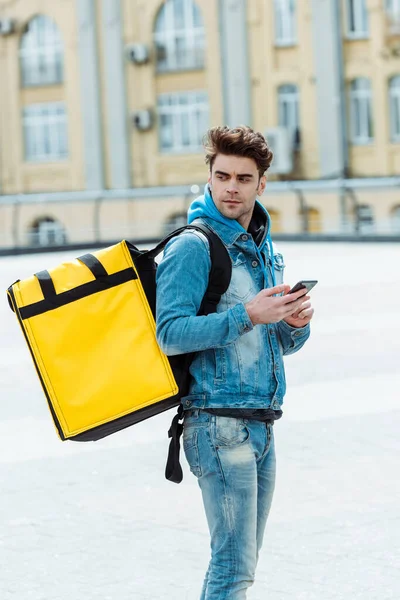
238 381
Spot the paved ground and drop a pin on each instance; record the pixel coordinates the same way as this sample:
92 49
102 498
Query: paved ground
99 522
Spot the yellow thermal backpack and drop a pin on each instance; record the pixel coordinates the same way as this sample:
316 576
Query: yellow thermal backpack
90 326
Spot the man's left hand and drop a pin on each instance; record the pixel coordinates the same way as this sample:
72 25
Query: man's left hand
301 317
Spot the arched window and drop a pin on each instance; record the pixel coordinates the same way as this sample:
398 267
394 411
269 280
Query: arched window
361 111
47 231
179 36
41 53
357 19
288 110
394 101
395 218
365 219
285 22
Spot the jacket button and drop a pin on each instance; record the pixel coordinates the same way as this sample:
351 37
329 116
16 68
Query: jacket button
188 403
254 263
245 237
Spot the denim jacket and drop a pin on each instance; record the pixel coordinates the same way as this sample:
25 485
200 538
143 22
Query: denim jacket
236 365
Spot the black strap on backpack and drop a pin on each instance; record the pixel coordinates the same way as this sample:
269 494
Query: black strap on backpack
218 283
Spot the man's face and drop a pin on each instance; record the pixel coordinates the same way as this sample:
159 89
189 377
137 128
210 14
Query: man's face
235 183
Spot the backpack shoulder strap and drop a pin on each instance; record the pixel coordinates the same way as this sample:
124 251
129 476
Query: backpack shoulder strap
221 265
220 272
218 282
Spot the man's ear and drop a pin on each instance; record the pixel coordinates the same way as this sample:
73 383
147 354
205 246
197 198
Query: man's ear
261 185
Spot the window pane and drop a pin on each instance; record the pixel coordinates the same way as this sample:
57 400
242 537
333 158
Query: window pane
197 18
45 132
185 129
183 121
179 29
397 118
179 14
41 53
370 130
285 21
395 113
357 119
352 22
166 131
357 17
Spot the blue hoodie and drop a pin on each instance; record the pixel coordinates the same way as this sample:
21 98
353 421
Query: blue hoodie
204 206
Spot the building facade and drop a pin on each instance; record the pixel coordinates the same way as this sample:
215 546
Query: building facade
104 103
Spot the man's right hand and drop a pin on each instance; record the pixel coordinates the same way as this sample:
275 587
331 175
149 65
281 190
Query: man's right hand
268 308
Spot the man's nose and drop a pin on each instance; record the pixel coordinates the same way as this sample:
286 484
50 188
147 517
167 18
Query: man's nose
232 187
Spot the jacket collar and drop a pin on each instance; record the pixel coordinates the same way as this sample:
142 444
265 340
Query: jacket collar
258 228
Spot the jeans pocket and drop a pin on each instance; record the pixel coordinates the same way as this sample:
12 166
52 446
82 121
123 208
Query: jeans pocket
230 431
190 447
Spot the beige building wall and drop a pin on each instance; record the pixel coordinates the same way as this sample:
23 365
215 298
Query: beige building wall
18 176
273 66
144 84
377 58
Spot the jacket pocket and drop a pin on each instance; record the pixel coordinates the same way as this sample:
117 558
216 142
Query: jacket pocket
220 364
241 285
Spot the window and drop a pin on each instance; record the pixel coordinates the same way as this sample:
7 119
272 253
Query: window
183 119
179 36
393 10
45 132
357 19
285 22
394 101
365 222
41 53
361 111
288 111
46 231
395 214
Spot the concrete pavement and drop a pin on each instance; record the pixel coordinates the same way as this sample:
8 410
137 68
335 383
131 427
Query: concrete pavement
99 521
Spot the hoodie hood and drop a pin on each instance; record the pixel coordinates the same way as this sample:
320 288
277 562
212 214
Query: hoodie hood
259 226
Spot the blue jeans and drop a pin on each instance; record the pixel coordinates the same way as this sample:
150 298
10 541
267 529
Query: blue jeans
234 462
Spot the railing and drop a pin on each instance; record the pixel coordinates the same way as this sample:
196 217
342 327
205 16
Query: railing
41 222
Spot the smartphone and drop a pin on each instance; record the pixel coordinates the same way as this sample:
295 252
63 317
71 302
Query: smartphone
306 284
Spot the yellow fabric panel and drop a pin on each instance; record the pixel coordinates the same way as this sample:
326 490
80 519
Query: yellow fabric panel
98 356
70 274
115 258
28 291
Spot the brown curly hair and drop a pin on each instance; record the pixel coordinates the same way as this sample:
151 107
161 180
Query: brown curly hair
238 141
